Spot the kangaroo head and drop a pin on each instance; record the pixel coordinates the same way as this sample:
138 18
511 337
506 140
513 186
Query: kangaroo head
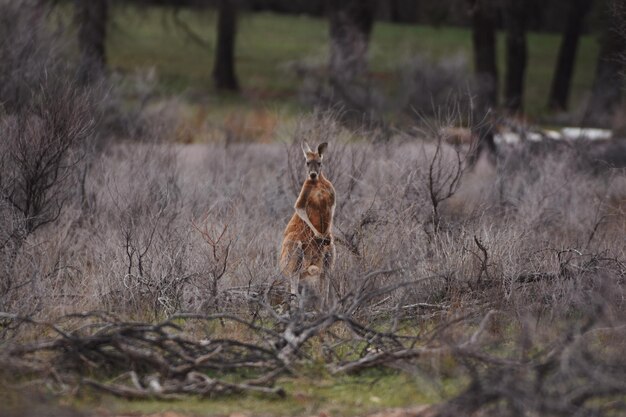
314 159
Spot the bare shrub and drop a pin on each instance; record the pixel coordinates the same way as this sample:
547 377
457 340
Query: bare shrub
29 53
544 225
53 130
358 101
218 243
150 262
429 87
443 177
39 157
42 147
570 372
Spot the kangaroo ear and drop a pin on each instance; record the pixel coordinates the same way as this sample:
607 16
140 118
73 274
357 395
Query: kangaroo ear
305 148
322 148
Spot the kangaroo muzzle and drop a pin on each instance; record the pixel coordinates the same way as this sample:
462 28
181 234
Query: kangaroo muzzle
314 168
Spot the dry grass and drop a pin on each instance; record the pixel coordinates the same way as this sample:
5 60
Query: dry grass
547 227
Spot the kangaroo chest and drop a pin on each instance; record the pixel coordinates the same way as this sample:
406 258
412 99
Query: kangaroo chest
320 199
319 208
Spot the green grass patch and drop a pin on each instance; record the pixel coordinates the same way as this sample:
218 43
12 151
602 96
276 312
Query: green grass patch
268 43
336 396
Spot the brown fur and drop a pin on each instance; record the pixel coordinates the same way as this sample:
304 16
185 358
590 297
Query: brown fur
300 248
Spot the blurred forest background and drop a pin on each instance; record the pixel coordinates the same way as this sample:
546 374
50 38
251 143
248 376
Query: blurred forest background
242 65
149 162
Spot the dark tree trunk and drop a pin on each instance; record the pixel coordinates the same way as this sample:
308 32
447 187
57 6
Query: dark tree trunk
351 23
224 75
562 80
607 87
91 17
484 42
402 11
483 15
516 54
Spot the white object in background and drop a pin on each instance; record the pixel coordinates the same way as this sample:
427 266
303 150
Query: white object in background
573 133
553 134
506 138
534 136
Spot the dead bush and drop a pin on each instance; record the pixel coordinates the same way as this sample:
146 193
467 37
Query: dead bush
528 234
39 161
29 53
429 87
358 102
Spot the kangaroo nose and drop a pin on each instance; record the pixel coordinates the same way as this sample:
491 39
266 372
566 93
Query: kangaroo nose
313 175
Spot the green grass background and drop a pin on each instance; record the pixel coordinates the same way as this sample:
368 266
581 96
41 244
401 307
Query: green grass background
339 396
268 43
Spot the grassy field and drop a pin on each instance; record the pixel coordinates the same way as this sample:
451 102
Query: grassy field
267 44
343 396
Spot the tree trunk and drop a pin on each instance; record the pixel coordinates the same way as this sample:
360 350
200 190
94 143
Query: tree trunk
224 69
484 42
403 11
562 80
351 23
483 17
516 55
91 17
608 83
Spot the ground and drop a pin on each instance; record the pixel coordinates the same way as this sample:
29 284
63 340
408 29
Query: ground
307 396
394 412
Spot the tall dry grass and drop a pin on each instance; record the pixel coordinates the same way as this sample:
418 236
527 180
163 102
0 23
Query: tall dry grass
542 234
146 227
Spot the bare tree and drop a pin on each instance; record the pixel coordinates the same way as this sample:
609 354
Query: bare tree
224 75
562 78
29 53
92 18
516 54
619 11
483 14
351 23
606 92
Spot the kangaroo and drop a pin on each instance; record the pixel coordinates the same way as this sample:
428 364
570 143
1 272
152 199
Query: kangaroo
308 248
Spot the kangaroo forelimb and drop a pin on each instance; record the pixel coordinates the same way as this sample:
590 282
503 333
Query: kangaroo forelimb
305 218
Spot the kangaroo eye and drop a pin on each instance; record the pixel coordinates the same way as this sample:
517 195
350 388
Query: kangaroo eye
308 163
